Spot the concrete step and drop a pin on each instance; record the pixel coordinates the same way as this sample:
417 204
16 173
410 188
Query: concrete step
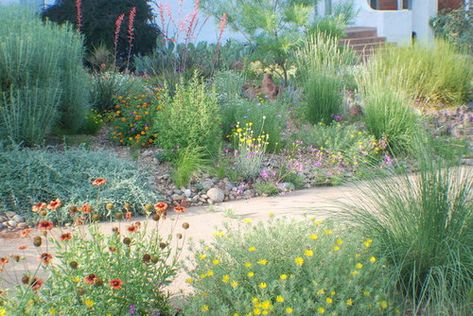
362 40
360 32
366 46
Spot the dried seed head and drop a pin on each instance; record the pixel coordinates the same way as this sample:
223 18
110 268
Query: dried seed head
185 225
127 241
146 258
37 241
73 264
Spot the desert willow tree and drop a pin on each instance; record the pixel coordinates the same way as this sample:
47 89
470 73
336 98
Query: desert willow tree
274 27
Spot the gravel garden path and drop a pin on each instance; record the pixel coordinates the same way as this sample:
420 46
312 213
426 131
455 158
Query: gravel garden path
319 202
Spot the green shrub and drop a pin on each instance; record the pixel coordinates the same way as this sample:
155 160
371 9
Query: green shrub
423 227
190 118
93 123
31 176
107 86
189 162
288 267
42 81
133 121
455 26
267 188
437 75
118 273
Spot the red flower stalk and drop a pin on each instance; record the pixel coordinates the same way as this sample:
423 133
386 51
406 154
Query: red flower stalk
91 279
131 32
118 25
79 14
65 236
36 283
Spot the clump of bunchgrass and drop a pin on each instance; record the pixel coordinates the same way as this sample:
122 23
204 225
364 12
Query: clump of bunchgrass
189 162
423 224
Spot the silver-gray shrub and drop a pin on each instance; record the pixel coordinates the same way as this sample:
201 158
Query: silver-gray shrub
42 81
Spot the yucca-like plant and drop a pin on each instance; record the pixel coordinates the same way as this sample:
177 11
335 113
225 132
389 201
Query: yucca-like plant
423 226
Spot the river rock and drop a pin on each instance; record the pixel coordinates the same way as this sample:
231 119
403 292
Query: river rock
216 195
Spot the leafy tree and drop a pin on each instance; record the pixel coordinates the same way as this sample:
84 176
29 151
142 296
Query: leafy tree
276 27
98 23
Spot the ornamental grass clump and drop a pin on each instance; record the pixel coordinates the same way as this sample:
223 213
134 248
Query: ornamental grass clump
423 225
89 270
299 267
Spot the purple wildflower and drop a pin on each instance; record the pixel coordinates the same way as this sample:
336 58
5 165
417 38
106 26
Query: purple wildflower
132 309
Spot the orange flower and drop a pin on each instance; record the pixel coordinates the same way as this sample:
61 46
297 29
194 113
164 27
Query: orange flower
55 204
65 236
3 261
36 283
179 209
99 182
90 279
46 258
161 207
26 232
133 228
45 225
38 207
86 208
116 284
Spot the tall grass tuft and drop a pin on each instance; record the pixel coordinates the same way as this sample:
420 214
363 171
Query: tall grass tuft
42 81
423 225
323 71
439 75
189 162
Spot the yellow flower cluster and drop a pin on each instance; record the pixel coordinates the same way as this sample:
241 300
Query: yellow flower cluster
246 138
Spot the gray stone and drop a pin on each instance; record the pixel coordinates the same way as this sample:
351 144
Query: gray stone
2 226
10 214
18 218
216 195
206 184
11 224
187 193
22 225
177 197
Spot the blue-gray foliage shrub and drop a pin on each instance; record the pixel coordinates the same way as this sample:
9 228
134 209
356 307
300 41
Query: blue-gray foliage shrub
28 176
42 81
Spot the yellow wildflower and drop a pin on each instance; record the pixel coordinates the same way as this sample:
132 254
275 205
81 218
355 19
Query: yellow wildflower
349 302
383 304
329 300
299 261
373 259
308 253
328 232
219 233
263 285
76 279
215 262
202 256
234 284
263 262
257 311
289 310
283 277
247 220
52 311
355 273
89 303
313 236
336 248
3 311
279 299
210 273
366 293
332 293
250 274
252 249
321 310
189 280
204 308
226 278
339 242
321 292
368 243
359 266
248 264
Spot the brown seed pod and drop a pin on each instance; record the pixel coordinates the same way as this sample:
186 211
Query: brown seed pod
185 225
163 245
37 241
179 236
73 264
118 216
127 241
154 259
146 258
25 279
156 217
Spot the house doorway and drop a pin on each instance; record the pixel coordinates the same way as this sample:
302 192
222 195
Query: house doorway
390 4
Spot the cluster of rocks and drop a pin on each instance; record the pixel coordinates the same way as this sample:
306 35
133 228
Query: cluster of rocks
11 221
456 122
208 190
